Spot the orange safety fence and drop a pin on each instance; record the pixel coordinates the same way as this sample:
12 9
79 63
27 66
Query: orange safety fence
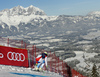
54 63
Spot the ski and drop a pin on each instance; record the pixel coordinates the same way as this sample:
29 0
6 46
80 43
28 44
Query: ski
36 70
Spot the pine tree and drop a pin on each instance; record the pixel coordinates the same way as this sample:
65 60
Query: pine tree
94 72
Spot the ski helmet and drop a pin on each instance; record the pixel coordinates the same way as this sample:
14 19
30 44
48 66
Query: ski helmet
45 53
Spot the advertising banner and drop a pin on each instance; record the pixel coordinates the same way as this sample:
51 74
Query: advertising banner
13 56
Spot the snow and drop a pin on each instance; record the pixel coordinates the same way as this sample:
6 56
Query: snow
35 8
48 37
92 35
94 13
60 51
51 18
79 56
44 44
55 40
31 33
84 42
11 17
33 42
16 19
69 32
14 71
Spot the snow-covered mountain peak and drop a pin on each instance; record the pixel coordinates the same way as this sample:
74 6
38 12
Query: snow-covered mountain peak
19 14
19 10
34 10
18 7
94 13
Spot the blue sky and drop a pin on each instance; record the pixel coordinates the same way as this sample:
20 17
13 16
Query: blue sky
56 7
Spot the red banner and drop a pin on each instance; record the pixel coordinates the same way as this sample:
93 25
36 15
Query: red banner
13 56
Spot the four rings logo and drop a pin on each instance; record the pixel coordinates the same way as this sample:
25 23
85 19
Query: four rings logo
16 56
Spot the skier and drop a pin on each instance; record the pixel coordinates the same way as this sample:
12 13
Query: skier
40 61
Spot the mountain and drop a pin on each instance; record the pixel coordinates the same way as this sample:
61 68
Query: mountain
19 14
19 10
94 13
20 20
11 19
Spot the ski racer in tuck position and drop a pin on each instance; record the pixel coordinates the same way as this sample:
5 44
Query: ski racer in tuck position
40 61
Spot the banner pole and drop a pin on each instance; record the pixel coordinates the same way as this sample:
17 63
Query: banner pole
29 58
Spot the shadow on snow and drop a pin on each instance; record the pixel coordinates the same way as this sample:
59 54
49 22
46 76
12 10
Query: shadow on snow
26 74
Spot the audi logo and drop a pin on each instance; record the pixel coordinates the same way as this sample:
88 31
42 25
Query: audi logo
16 56
1 55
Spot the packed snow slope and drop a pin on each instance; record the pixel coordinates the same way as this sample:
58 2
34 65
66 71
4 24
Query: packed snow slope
14 71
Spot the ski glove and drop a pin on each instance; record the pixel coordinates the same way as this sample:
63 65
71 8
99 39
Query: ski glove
46 66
